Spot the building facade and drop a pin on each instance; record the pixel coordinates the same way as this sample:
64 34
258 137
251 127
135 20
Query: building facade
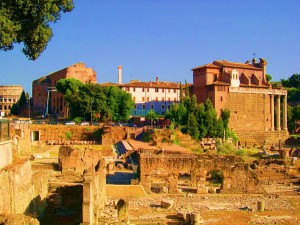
258 112
46 100
156 95
150 95
8 96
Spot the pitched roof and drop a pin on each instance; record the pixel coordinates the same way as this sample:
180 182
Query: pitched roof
158 84
224 63
209 65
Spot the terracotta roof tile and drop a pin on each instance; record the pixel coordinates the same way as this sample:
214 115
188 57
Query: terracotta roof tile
224 63
209 65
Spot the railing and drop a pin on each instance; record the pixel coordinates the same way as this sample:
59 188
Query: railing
4 130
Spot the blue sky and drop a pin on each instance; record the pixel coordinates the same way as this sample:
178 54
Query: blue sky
164 38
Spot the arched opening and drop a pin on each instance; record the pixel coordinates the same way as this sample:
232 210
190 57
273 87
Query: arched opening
214 180
185 182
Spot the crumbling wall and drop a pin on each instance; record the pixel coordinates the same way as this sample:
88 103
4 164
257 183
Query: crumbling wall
168 165
76 160
22 192
5 153
94 193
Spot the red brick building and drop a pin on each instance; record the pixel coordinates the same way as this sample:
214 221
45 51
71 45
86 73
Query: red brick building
45 98
244 90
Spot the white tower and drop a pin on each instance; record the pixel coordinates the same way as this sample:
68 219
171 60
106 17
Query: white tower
119 74
234 79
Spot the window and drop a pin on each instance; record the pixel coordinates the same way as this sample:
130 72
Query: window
143 89
169 99
163 99
134 106
147 89
156 89
169 106
163 106
175 99
144 106
134 89
169 90
143 99
148 99
152 106
215 77
174 90
133 98
163 90
156 99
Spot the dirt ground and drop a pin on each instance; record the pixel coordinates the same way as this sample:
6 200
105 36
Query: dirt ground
215 209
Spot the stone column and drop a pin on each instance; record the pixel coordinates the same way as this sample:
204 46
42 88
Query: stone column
278 126
285 112
272 112
87 204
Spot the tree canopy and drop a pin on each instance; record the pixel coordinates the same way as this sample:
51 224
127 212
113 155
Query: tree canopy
28 21
199 120
22 103
292 84
86 100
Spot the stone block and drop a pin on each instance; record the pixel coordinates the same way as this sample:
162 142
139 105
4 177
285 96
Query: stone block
166 203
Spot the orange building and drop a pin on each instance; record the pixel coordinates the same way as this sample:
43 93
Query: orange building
244 90
46 100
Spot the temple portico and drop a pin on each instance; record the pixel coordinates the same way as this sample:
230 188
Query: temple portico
279 111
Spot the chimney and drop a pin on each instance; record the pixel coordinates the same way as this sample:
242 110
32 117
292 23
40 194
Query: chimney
253 61
156 79
119 74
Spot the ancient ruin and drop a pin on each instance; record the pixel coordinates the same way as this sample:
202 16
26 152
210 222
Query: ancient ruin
71 179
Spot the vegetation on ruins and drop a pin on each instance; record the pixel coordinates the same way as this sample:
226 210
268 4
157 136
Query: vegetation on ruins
199 120
292 84
28 21
94 102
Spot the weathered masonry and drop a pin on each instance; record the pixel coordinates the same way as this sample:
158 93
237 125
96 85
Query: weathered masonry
164 168
258 112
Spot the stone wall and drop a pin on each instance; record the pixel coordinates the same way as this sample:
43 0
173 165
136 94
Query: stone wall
63 132
76 160
94 193
250 118
165 167
5 153
22 192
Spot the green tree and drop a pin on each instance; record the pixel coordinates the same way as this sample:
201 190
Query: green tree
200 115
210 119
151 115
293 116
21 104
268 77
225 115
192 126
28 21
293 81
85 100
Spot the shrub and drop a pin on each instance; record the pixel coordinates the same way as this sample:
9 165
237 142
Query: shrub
68 135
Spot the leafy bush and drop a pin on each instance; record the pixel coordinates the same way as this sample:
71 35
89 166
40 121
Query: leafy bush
77 120
68 135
